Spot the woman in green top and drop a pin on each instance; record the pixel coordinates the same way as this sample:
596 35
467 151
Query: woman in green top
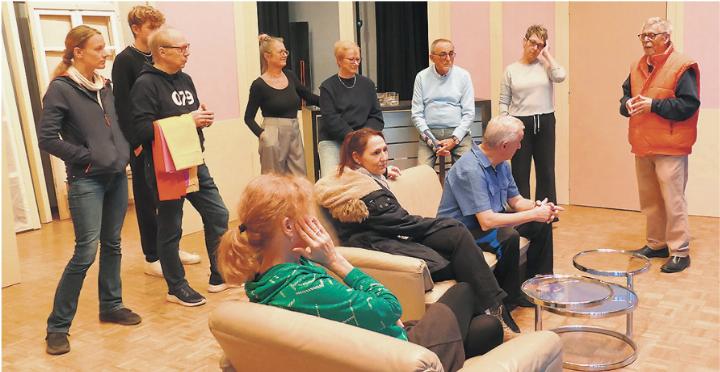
277 251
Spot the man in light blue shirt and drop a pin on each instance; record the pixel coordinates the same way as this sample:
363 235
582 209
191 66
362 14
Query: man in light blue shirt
444 103
480 192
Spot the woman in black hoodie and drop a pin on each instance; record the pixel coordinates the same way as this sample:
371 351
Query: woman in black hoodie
79 126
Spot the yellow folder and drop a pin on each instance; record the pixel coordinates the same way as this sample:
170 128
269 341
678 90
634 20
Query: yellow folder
182 141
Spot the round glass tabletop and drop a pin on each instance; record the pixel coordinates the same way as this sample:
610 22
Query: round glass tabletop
622 301
560 291
611 262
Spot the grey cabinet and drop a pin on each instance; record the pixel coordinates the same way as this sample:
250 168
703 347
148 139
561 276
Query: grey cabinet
400 134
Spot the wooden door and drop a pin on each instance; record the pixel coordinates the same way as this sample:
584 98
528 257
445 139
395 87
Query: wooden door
603 43
49 23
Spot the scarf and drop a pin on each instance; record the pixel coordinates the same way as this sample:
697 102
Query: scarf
94 86
341 195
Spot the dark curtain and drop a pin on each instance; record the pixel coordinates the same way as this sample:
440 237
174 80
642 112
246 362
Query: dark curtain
402 45
273 18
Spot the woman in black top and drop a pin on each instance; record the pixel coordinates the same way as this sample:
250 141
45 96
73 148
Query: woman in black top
277 93
348 102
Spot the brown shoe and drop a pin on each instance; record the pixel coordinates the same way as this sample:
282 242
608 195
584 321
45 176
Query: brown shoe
57 343
122 316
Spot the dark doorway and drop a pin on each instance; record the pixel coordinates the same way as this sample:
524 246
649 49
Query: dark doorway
402 45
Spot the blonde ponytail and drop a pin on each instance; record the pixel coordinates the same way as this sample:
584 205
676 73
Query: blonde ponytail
237 260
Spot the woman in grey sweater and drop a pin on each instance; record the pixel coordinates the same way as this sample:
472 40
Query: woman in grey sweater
526 92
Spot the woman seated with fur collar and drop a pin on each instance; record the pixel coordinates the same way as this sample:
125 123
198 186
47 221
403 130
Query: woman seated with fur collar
366 214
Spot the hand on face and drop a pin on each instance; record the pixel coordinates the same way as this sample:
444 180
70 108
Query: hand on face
320 247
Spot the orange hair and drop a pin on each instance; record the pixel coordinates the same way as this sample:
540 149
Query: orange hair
265 202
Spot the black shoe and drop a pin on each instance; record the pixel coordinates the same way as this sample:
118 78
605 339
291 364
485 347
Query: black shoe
57 343
509 321
676 264
186 296
122 316
503 315
653 253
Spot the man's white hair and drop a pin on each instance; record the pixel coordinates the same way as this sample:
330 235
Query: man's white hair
665 25
501 129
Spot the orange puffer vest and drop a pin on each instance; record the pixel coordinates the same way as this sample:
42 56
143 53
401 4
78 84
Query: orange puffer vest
651 134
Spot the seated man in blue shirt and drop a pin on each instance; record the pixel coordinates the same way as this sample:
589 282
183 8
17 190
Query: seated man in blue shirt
481 192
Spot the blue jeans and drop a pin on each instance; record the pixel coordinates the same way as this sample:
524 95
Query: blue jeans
209 204
97 206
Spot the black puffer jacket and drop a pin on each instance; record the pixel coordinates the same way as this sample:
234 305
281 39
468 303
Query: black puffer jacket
92 142
378 222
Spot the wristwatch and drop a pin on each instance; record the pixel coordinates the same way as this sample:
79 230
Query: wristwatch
456 140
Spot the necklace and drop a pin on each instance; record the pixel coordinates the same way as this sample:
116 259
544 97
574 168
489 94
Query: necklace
140 51
353 83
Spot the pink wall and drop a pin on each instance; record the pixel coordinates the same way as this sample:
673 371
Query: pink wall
470 24
209 28
702 32
516 19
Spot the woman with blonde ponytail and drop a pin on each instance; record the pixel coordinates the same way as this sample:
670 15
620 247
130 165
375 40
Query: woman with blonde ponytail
277 92
79 125
277 251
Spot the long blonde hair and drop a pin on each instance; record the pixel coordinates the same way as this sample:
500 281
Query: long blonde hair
265 202
266 42
76 38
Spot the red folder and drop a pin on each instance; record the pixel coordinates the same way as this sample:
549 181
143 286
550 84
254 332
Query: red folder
170 186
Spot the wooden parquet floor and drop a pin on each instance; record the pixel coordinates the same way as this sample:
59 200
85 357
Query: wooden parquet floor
677 323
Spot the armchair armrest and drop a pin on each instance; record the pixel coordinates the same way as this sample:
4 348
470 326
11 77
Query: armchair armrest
258 337
406 277
535 351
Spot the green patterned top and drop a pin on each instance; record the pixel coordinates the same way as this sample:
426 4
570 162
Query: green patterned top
307 288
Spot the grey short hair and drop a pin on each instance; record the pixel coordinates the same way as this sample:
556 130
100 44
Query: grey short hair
501 129
438 41
665 25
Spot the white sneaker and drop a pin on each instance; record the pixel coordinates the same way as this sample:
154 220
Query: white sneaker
217 288
188 258
153 269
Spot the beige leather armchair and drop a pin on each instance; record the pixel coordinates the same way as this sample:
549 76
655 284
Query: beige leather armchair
418 191
259 338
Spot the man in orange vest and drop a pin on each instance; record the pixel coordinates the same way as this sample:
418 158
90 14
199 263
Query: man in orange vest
661 98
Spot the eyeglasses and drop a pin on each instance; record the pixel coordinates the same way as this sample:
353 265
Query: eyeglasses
651 35
183 49
534 43
444 55
284 51
353 60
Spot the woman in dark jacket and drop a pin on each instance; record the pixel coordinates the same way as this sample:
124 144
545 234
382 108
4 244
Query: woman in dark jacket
79 125
366 214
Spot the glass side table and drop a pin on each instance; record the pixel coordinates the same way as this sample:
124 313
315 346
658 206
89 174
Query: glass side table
611 262
583 297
